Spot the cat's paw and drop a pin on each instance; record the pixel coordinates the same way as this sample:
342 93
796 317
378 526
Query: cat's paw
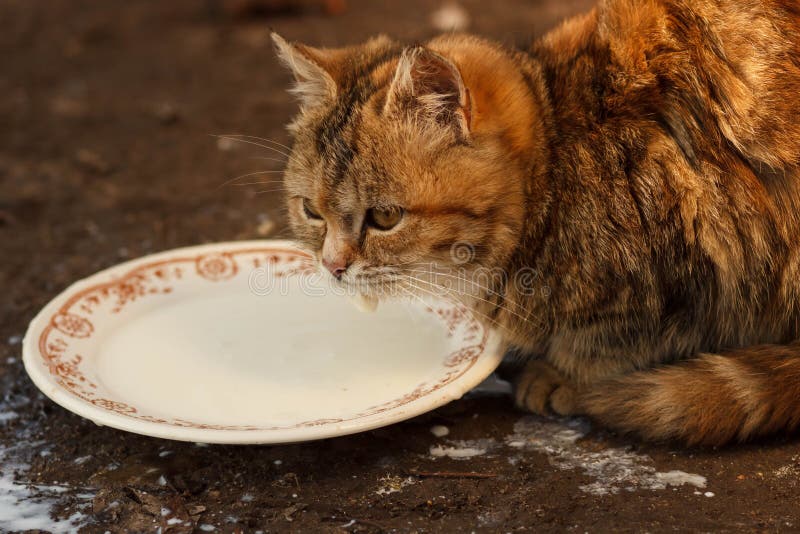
541 389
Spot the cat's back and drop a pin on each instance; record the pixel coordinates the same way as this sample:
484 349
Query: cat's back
725 79
687 114
723 69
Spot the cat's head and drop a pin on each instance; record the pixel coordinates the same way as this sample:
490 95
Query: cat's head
408 158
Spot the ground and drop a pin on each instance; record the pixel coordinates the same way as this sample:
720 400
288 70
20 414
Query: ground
107 108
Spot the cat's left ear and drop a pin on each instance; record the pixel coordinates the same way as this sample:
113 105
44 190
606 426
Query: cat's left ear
427 85
312 69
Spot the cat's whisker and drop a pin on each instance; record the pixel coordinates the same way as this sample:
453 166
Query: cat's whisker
265 191
423 263
232 180
260 182
280 234
465 280
235 139
412 262
490 320
265 139
276 160
495 305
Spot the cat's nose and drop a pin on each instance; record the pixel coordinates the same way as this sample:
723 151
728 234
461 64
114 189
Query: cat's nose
336 266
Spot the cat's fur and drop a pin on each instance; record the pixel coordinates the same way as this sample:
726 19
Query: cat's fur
642 159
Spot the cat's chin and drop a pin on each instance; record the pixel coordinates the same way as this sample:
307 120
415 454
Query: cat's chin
365 303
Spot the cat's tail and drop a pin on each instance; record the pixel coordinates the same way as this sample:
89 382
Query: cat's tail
710 400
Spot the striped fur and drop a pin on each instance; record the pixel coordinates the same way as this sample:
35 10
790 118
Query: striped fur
643 160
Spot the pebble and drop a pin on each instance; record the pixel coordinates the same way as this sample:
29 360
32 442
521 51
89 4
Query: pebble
92 161
440 431
68 107
166 113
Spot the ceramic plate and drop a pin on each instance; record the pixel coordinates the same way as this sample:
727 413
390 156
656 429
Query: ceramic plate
244 343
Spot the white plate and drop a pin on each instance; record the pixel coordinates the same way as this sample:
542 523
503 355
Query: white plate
242 343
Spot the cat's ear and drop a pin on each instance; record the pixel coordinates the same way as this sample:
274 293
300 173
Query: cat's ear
429 86
311 68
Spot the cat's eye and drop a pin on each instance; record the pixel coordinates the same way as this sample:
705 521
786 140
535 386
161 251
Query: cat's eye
309 210
384 218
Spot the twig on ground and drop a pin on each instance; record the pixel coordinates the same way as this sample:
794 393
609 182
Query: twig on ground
355 520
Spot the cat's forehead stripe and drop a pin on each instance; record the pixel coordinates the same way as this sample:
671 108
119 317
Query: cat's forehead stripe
344 116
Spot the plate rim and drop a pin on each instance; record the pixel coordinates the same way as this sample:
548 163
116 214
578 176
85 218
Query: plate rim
484 365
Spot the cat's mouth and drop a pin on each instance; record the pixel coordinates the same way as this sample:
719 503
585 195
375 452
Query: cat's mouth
365 293
367 285
366 290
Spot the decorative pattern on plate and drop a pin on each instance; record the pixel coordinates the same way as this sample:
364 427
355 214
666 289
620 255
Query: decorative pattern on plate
59 343
216 267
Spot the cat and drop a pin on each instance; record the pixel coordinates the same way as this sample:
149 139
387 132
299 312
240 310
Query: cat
643 160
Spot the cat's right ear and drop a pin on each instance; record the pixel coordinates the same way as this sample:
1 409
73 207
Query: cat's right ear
428 86
314 85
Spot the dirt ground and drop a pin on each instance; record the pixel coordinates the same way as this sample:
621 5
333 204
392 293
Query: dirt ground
107 107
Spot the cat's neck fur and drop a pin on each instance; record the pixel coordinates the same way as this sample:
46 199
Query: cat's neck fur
565 96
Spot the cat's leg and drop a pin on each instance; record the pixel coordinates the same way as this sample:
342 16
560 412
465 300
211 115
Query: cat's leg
541 389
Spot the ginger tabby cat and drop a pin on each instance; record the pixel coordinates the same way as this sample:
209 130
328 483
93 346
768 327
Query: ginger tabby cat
643 159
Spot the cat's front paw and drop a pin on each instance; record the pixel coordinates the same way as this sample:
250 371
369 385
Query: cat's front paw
541 389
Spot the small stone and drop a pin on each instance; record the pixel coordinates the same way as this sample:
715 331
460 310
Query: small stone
440 431
288 513
709 494
166 113
64 106
92 161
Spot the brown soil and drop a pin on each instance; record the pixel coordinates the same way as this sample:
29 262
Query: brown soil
105 154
